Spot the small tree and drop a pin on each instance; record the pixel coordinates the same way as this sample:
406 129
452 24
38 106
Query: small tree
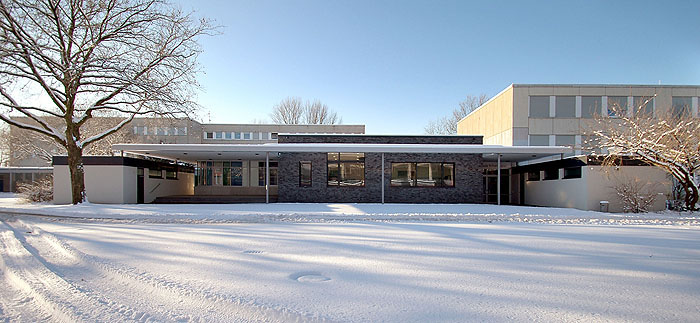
636 196
669 140
448 125
85 59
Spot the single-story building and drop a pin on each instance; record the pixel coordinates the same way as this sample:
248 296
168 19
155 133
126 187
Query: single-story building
346 168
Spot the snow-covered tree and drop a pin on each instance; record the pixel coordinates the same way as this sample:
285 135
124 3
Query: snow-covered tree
668 140
74 60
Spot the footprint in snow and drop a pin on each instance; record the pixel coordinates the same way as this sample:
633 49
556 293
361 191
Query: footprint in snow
309 277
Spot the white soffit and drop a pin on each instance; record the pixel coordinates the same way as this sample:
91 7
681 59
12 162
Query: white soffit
248 151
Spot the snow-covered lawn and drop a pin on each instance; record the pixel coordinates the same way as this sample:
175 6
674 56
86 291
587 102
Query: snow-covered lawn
344 262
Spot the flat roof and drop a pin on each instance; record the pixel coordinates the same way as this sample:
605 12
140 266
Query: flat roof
193 152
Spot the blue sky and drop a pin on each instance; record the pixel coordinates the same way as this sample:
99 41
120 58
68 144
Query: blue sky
395 65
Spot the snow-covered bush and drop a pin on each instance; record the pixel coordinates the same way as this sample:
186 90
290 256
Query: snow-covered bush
40 190
635 196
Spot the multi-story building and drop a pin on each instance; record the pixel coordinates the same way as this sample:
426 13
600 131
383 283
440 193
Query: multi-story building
559 114
33 153
563 115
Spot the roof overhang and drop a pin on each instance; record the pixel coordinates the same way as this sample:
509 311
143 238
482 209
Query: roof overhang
193 152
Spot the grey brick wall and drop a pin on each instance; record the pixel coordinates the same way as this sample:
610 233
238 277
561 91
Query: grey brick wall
468 180
365 139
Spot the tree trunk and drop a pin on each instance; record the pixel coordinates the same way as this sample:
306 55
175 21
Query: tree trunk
77 173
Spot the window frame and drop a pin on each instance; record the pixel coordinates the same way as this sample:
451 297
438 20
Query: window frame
577 174
154 170
303 183
413 175
339 162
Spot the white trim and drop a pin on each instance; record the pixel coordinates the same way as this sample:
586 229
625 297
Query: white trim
604 106
552 140
578 106
630 106
694 104
552 106
325 147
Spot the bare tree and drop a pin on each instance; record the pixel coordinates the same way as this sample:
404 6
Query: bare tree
448 125
318 113
635 196
668 140
83 59
288 111
292 110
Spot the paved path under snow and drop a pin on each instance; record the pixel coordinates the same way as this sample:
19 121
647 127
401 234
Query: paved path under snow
349 271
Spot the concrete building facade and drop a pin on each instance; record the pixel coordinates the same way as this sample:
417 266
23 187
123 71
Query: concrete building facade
562 115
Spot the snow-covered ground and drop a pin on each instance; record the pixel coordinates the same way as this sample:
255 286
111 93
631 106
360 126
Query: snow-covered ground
345 262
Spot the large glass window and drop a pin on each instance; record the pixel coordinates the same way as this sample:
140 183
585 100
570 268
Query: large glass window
539 140
565 140
346 169
423 174
219 173
533 176
262 172
644 105
155 173
617 106
565 107
681 106
539 107
305 173
590 106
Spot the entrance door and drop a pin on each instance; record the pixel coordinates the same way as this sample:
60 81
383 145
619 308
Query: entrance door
139 185
491 188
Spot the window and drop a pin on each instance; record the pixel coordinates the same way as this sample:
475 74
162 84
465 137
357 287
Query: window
247 135
644 105
228 135
219 135
533 176
539 107
565 107
681 106
565 140
590 106
209 135
305 173
155 173
539 140
237 135
232 174
346 169
162 131
422 174
572 172
273 135
141 130
171 173
262 171
551 174
617 106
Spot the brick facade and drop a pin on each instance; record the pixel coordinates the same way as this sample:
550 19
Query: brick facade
374 139
468 188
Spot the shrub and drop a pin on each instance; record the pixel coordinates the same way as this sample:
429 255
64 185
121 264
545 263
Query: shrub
40 190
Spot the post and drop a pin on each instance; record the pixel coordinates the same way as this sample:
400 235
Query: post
498 181
267 177
383 178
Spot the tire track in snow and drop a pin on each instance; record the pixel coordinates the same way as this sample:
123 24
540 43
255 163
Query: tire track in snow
53 297
164 295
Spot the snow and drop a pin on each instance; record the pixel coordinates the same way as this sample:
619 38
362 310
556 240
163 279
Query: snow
336 212
344 262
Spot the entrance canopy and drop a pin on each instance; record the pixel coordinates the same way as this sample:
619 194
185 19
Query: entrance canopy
194 152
